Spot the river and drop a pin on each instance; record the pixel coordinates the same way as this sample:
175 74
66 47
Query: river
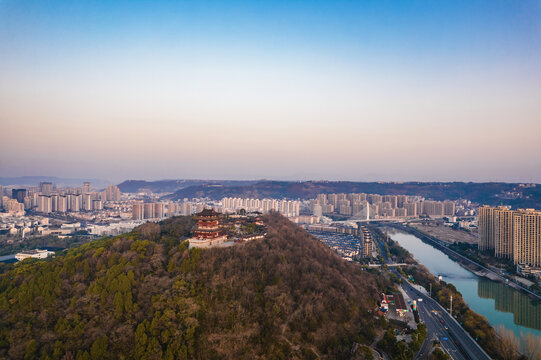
8 258
499 303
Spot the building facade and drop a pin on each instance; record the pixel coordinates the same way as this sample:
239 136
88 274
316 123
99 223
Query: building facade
511 234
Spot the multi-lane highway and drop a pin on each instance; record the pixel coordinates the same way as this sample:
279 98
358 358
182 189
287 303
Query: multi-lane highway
453 338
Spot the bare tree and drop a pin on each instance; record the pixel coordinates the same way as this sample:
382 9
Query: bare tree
531 346
508 345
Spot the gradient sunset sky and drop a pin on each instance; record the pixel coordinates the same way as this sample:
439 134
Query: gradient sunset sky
352 90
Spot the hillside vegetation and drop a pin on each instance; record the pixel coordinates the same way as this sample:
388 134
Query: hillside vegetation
144 295
483 193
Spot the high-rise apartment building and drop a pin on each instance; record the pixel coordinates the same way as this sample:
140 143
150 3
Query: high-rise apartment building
333 200
54 202
448 208
322 199
46 188
87 201
186 208
357 208
4 201
172 209
18 194
511 234
75 202
401 200
366 241
327 209
432 208
503 232
148 210
286 207
411 209
391 199
400 212
28 203
486 228
138 212
527 237
97 205
345 210
159 210
62 205
44 204
374 198
86 187
112 193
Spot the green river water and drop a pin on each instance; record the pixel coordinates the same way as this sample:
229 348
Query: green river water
499 303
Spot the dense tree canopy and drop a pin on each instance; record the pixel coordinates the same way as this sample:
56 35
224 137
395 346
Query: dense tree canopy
145 295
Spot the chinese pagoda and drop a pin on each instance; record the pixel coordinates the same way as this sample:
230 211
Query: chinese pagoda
208 232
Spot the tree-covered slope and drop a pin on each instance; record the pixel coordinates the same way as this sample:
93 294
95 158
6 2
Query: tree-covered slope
144 295
483 193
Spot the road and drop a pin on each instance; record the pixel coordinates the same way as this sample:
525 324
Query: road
459 344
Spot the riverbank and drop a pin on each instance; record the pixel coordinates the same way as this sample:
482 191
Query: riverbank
506 309
445 233
471 327
463 261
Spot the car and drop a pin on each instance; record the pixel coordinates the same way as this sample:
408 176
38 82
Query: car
441 321
420 299
446 328
444 338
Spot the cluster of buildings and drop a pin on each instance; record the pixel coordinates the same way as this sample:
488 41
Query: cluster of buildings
349 241
396 300
287 208
22 226
73 199
46 198
36 225
376 206
211 231
511 234
158 210
63 211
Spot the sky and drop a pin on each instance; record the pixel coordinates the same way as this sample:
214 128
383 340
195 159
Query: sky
295 90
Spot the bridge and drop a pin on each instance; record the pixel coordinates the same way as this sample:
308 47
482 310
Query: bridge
392 264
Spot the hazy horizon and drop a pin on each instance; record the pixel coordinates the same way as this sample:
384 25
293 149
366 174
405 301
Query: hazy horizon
347 90
118 181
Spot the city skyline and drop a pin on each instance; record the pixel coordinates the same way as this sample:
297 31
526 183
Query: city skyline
361 91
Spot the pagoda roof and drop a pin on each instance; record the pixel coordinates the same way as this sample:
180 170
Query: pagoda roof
208 213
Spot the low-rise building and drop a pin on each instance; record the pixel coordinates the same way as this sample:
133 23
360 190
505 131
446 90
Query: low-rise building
36 254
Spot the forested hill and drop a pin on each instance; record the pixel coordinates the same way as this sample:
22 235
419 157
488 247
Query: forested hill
144 295
165 186
484 193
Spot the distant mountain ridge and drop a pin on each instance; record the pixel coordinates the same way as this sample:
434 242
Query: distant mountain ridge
35 180
167 186
490 193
